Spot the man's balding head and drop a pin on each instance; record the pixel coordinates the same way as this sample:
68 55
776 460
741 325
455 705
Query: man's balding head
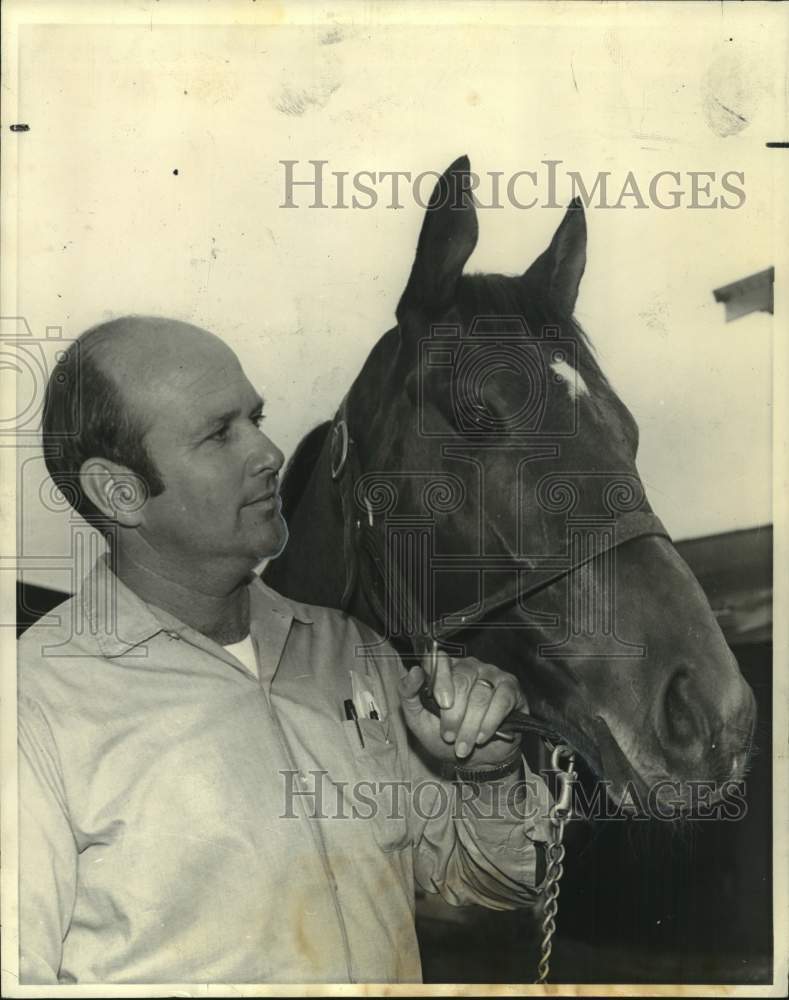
100 412
140 350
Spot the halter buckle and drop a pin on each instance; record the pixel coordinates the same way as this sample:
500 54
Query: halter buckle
339 442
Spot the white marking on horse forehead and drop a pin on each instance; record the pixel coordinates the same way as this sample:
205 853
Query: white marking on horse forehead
573 379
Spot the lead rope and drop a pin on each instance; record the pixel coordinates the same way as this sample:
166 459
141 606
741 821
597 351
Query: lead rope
558 817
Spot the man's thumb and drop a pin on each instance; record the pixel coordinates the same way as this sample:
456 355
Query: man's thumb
409 686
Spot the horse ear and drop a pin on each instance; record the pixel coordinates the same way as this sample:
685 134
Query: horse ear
448 237
558 271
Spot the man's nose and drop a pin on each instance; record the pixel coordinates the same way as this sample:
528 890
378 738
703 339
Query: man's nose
265 455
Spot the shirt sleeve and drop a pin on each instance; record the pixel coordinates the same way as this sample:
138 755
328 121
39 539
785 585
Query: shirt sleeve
481 843
47 851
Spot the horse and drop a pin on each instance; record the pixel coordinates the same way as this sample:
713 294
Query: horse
478 483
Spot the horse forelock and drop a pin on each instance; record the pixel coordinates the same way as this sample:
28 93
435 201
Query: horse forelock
506 295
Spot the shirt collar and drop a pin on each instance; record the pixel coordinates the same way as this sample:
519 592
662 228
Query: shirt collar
264 596
120 620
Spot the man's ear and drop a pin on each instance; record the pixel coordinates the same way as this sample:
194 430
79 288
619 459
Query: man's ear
115 490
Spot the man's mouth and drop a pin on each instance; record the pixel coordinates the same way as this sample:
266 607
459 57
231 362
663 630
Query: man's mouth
270 498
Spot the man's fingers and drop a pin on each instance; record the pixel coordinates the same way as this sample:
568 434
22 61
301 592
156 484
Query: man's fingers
438 667
481 696
409 690
452 717
505 699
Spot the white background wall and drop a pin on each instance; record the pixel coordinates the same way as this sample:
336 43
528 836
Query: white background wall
105 227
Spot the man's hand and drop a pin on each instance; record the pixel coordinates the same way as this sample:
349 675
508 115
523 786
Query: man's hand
474 697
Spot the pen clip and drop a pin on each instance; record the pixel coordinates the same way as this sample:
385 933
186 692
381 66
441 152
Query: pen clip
351 716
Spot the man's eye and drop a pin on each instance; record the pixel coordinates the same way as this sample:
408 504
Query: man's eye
220 435
258 419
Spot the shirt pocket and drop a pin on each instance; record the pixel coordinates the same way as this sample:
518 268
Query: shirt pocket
378 791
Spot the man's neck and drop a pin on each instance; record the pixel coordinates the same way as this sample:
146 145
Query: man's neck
221 614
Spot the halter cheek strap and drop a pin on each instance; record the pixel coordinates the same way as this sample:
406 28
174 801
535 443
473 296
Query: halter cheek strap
359 533
375 575
365 562
342 453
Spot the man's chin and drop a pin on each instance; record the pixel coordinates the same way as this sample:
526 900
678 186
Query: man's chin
283 540
274 544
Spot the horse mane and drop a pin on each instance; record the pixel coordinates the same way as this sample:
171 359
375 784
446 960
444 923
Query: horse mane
300 465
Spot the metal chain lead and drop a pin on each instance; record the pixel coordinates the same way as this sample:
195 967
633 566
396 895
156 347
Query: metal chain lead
559 815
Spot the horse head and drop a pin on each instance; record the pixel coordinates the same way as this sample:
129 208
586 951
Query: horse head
486 424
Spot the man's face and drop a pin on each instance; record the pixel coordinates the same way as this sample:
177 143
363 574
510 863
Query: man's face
221 497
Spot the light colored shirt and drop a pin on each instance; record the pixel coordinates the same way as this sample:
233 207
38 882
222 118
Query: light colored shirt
183 821
244 652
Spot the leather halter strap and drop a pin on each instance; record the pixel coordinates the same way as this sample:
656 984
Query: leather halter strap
366 563
360 536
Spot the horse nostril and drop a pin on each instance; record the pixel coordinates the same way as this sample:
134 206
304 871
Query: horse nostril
679 713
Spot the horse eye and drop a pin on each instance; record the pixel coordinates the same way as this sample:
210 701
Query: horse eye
506 395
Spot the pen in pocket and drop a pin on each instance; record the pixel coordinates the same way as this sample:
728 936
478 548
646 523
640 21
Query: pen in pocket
351 716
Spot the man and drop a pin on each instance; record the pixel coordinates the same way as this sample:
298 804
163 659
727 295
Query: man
204 765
